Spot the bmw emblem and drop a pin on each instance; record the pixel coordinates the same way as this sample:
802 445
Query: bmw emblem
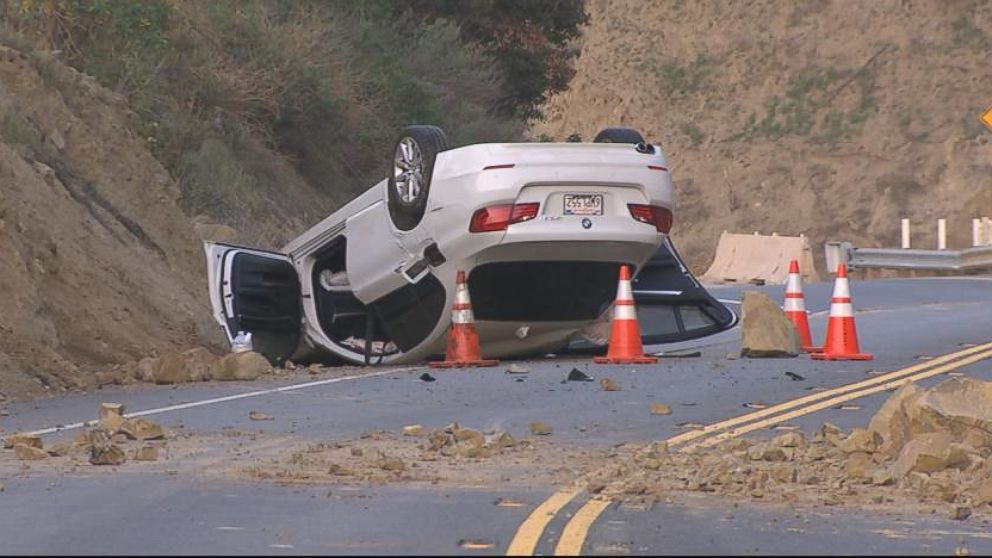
587 223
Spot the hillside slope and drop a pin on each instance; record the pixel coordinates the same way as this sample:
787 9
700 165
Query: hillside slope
100 265
829 118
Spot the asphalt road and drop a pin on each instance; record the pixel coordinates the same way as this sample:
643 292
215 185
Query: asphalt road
180 510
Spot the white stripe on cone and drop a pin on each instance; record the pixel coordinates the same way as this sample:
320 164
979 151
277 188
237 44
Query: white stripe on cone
841 288
462 317
624 312
794 285
625 293
795 305
461 294
841 310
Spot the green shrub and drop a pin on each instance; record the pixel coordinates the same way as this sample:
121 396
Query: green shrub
321 88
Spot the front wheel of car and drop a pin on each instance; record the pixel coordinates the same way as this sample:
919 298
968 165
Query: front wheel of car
410 178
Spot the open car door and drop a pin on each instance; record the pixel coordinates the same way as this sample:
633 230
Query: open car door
259 292
671 306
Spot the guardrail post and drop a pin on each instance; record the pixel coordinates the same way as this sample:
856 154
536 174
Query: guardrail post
976 232
837 253
905 234
942 234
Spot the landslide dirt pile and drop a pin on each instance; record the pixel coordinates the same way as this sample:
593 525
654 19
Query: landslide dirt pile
100 265
452 455
925 447
829 118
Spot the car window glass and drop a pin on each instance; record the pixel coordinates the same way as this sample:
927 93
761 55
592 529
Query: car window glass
694 318
658 319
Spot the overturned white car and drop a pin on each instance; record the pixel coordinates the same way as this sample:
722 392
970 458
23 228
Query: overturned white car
541 230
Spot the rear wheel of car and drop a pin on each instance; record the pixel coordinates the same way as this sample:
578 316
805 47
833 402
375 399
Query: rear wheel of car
412 169
619 135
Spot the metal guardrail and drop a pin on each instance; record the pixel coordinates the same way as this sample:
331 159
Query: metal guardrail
969 259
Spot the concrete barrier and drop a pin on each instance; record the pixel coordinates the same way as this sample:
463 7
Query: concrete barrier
745 258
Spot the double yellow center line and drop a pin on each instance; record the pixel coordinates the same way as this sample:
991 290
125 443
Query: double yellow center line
575 532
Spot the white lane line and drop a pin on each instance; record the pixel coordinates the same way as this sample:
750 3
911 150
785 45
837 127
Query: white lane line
728 301
225 399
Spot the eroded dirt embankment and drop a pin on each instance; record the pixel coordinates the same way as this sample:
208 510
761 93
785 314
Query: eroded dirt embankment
99 264
834 119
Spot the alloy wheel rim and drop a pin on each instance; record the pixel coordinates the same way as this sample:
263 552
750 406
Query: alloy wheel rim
408 173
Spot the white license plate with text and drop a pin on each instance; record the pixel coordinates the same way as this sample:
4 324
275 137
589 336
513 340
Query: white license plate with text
583 204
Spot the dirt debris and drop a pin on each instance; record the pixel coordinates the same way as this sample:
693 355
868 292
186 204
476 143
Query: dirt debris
390 463
22 439
609 384
141 429
454 455
660 409
107 454
259 415
60 450
515 368
413 430
922 447
540 429
145 453
111 416
959 513
29 453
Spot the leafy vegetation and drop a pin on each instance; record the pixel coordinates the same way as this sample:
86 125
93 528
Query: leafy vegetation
695 135
16 130
678 81
807 107
231 93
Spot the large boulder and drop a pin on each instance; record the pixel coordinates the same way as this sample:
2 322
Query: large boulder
931 453
240 366
199 361
891 422
766 332
171 369
194 365
960 406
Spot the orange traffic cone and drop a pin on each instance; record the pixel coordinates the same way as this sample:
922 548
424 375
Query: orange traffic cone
463 341
625 334
842 337
795 307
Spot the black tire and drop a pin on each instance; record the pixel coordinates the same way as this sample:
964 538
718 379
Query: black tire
407 203
619 135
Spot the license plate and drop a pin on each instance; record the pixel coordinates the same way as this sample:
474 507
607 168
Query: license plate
583 204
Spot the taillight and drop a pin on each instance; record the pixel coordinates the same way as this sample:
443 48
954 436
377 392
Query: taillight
660 217
498 217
